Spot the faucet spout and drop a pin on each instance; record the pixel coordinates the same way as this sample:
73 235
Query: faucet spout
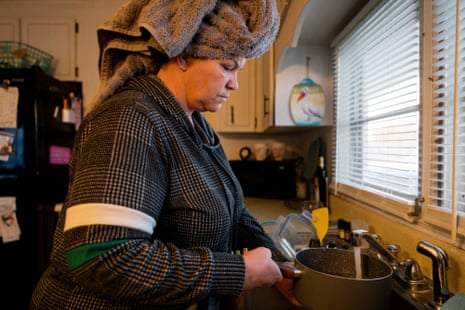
374 241
440 266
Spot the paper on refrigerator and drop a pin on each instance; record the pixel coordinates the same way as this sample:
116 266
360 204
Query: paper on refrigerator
9 97
9 227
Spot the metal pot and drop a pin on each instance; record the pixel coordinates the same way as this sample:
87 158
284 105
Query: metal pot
327 280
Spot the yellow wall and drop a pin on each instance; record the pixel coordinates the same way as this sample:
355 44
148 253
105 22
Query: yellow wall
406 235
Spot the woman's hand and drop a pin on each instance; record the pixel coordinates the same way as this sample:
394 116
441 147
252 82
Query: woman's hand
260 269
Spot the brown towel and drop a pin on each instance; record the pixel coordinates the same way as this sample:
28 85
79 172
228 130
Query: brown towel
214 29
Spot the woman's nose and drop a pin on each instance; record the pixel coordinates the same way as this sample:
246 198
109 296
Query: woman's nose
233 83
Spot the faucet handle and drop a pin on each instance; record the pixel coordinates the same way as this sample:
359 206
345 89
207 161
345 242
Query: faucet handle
413 272
394 249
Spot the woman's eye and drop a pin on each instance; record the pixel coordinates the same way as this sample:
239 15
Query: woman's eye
229 65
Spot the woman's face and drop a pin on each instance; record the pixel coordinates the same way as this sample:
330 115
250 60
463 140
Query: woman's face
210 82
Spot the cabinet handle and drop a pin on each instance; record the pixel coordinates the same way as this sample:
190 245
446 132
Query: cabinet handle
232 114
266 105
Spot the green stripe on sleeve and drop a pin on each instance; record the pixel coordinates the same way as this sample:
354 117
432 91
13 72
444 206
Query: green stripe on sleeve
83 254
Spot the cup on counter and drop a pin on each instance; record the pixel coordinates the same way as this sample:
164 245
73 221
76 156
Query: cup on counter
260 151
277 151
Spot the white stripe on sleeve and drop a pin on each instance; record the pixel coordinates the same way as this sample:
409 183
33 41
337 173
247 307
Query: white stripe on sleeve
108 214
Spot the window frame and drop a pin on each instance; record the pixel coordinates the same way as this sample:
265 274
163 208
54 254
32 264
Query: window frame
439 221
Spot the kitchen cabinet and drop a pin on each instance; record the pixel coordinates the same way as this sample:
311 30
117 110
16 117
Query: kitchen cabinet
56 36
248 108
9 29
78 49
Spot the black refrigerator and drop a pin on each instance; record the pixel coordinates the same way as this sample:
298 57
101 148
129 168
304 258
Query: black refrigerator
35 149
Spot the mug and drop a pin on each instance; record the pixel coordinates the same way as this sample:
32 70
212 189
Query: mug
260 151
277 150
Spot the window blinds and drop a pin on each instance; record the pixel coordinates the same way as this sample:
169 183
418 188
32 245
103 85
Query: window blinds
443 106
445 186
377 85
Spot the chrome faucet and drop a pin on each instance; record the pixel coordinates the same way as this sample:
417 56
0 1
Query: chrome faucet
375 242
439 270
408 271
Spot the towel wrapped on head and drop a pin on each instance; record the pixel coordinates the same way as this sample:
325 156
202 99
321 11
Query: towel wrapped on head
142 34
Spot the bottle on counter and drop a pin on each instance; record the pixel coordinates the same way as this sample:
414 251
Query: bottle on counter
67 114
76 107
341 229
321 183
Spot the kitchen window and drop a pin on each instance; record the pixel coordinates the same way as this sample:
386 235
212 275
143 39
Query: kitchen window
397 98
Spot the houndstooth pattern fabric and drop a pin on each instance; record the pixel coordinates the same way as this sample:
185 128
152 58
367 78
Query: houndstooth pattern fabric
139 150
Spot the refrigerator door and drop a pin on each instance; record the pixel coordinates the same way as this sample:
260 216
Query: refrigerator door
35 174
19 261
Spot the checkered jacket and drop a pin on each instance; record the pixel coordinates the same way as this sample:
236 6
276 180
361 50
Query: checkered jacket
138 154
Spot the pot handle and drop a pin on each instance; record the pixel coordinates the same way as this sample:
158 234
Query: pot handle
288 270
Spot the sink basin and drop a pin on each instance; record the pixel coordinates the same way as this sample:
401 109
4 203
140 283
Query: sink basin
329 280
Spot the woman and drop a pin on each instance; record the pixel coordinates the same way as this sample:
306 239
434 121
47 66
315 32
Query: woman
154 217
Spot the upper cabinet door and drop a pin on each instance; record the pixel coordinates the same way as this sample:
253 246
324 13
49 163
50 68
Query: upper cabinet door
9 29
56 37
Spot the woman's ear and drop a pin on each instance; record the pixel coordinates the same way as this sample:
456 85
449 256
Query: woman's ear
181 60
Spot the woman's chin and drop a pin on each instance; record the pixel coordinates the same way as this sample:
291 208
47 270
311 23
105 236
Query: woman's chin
213 107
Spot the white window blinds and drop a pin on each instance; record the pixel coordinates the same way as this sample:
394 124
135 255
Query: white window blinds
445 160
377 85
